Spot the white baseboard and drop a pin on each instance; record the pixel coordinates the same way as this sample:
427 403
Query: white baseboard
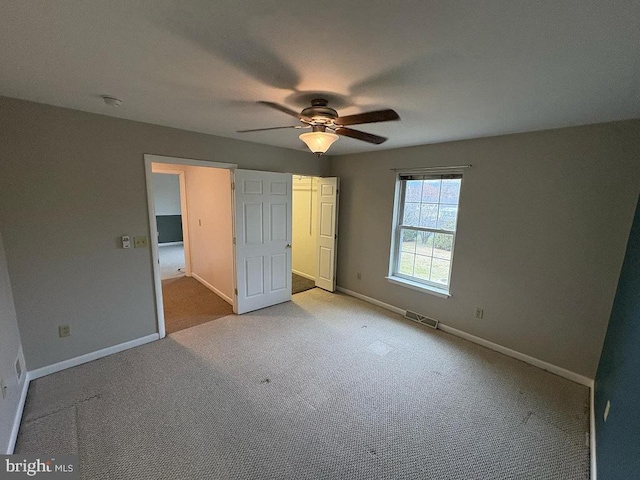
18 418
592 432
89 357
549 367
582 380
212 288
302 274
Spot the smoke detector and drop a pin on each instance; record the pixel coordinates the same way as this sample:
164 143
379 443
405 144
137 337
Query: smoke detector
111 101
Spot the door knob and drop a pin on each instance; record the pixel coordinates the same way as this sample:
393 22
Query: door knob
288 245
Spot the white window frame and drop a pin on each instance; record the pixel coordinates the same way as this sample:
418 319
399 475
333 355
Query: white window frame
394 276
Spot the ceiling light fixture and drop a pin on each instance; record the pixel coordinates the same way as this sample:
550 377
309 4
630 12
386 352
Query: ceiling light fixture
318 141
111 101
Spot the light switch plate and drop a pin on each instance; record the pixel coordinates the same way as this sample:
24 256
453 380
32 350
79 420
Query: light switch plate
126 241
140 242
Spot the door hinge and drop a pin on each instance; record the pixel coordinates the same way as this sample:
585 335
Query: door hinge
233 185
335 236
235 290
234 240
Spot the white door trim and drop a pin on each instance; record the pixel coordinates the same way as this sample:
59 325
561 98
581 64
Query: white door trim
153 228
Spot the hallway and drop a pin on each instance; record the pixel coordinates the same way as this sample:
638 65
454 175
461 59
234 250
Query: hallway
188 303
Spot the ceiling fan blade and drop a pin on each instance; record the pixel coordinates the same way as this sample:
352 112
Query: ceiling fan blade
368 117
270 128
286 110
358 135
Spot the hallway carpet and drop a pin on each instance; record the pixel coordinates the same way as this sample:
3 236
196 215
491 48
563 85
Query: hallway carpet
324 387
188 303
301 284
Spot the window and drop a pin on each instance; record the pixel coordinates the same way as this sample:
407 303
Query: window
425 230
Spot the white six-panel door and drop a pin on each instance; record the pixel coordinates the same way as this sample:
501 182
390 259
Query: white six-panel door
328 189
263 239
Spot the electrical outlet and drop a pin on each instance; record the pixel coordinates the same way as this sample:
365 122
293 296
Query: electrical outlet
64 331
479 312
140 242
125 241
359 276
4 388
606 410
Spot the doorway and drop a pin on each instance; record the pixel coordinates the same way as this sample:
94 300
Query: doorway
305 260
202 289
258 209
315 212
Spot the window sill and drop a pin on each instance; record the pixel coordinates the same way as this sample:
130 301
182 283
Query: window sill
419 287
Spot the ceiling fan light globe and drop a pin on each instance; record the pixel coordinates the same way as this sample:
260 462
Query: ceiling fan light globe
318 142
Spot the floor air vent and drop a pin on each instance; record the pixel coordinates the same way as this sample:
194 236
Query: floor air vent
416 317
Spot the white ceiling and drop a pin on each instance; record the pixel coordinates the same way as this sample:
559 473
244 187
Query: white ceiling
451 69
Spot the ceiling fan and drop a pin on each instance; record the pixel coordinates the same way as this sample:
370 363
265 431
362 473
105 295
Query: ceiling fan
326 125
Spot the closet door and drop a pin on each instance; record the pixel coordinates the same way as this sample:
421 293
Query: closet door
328 190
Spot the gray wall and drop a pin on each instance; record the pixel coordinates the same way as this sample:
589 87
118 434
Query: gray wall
71 183
10 350
544 219
166 194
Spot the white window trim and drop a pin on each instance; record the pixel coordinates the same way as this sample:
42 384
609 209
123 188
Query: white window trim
444 292
421 287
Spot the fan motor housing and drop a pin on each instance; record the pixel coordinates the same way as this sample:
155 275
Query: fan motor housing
319 111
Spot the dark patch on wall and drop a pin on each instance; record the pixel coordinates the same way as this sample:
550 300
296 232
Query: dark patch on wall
169 228
617 381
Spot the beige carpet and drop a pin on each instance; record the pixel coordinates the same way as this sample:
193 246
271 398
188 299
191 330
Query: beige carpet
323 387
188 303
